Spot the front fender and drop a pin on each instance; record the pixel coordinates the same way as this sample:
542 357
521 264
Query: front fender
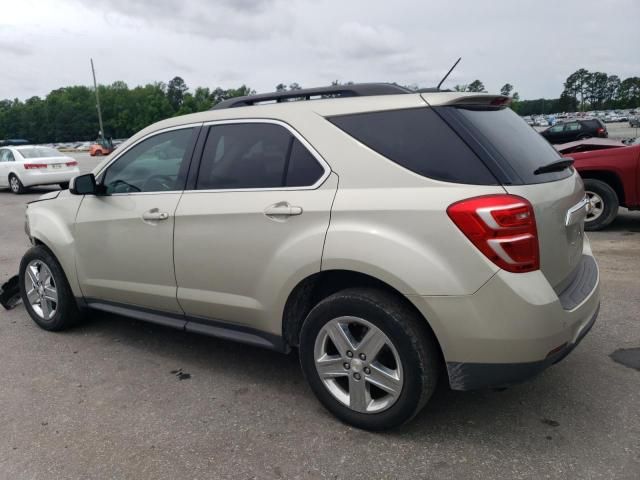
51 222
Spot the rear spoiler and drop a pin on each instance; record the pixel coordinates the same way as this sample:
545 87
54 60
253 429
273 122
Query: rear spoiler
468 99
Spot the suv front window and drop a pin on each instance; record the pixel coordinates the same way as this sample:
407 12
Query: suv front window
152 165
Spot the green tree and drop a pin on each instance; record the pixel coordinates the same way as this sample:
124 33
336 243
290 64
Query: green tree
476 86
176 89
506 89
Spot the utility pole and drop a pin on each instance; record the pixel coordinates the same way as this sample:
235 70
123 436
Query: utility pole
95 86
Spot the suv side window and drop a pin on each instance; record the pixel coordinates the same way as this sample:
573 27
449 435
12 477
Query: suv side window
153 165
420 141
255 155
572 127
557 128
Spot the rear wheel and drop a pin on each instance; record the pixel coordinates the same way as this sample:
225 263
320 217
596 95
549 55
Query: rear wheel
603 204
45 291
64 185
369 358
97 153
16 185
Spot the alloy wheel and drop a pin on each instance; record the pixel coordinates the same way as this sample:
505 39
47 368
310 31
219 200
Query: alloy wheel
596 206
41 289
358 364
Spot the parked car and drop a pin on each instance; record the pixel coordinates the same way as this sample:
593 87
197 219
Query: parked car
611 179
541 122
588 144
444 246
13 142
575 130
634 122
27 166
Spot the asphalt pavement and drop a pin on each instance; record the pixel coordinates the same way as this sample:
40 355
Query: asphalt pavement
120 399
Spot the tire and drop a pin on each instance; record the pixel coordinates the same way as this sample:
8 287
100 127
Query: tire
97 153
584 137
63 313
16 185
64 185
410 353
604 204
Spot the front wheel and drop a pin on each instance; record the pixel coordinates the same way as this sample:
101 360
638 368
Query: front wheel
369 358
45 291
603 204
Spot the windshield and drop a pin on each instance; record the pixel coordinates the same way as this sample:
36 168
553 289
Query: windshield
39 152
513 143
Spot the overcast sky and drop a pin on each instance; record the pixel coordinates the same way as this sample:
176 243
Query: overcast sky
532 44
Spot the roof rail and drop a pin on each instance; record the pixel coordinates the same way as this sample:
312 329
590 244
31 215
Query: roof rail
355 90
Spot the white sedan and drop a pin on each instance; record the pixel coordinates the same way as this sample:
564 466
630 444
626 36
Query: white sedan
26 166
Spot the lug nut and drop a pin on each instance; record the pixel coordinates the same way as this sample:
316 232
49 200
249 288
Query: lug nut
349 353
356 376
347 366
363 356
367 370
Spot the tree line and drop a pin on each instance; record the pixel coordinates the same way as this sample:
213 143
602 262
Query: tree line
69 113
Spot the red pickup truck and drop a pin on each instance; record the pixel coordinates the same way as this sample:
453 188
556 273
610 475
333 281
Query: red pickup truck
611 179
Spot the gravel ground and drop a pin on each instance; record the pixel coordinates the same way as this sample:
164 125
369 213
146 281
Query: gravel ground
116 398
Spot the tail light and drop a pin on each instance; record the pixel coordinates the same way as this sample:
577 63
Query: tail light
502 227
600 131
72 163
32 166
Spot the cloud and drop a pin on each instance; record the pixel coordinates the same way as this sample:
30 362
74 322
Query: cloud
238 20
14 48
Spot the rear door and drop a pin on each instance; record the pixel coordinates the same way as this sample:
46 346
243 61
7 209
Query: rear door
514 153
5 158
253 222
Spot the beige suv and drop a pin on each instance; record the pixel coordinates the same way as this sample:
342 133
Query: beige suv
390 236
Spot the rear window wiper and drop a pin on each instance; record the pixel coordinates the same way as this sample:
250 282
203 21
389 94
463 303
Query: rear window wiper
556 166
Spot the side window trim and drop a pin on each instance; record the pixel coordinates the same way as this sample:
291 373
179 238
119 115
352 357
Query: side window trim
199 151
184 168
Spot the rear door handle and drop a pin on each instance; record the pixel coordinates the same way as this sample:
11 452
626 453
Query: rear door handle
154 215
282 209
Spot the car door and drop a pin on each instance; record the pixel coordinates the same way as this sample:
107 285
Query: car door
253 225
124 238
6 157
572 131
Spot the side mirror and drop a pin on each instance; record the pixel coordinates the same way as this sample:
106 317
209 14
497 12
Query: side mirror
84 185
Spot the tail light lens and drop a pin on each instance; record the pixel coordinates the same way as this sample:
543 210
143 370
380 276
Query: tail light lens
600 131
502 227
72 163
32 166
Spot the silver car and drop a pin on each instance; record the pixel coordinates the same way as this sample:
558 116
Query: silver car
389 236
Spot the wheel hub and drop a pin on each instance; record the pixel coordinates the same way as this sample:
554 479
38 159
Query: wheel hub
358 364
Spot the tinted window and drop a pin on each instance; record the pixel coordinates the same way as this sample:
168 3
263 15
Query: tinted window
572 127
513 144
255 155
419 140
152 165
304 169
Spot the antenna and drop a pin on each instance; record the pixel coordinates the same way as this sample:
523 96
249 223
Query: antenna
448 73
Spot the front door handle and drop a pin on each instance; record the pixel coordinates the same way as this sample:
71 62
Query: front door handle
282 209
154 215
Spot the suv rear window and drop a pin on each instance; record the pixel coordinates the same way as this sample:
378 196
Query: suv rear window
507 139
419 140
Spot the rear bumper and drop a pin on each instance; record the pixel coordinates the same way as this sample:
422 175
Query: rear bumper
514 327
48 177
472 376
